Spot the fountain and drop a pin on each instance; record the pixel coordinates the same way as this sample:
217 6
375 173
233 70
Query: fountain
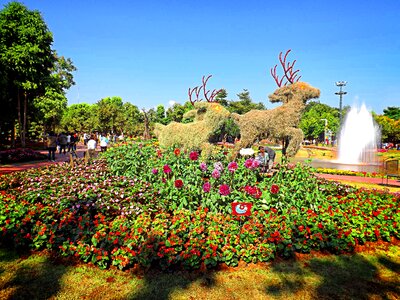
357 143
358 138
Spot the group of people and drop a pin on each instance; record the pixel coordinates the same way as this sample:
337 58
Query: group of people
67 143
64 142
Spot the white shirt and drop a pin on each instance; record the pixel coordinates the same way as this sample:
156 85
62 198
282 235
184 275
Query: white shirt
91 145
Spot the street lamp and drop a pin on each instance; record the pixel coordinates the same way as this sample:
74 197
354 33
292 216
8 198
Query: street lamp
340 84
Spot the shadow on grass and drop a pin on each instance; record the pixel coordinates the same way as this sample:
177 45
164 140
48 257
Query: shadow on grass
28 276
159 285
350 277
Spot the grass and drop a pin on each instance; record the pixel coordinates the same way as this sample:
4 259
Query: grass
357 276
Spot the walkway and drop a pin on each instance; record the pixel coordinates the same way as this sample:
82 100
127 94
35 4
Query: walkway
9 168
378 181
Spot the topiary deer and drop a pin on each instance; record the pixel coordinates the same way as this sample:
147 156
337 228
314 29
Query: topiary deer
281 122
207 118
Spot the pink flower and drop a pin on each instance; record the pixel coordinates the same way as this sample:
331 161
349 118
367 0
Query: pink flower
218 165
178 183
216 174
248 163
224 190
167 169
203 166
232 166
194 155
206 187
256 164
274 189
154 171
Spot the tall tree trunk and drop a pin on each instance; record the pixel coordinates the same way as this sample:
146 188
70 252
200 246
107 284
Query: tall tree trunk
19 115
23 142
13 134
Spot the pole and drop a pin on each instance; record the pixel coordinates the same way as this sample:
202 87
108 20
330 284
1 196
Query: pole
341 84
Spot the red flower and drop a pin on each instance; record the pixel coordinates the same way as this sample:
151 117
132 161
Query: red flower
167 169
177 151
301 228
159 154
194 155
224 190
274 189
178 183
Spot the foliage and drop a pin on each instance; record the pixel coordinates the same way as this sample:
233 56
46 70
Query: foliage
33 78
244 104
312 121
148 207
390 128
392 112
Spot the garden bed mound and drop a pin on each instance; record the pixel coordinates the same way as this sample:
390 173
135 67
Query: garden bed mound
20 155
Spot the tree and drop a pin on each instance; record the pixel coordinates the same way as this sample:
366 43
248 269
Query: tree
133 123
161 115
313 121
390 129
392 112
25 55
79 118
221 97
244 104
110 115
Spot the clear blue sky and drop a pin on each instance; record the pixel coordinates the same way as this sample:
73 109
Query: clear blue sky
150 52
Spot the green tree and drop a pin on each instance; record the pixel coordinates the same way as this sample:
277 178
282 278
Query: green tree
110 115
318 119
221 97
133 124
244 104
26 56
79 118
161 116
392 112
390 129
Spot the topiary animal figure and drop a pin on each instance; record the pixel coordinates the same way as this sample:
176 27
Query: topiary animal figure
207 118
281 122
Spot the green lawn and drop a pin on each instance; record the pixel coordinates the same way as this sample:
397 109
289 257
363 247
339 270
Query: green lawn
367 275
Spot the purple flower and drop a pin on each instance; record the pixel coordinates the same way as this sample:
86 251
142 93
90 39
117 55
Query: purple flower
232 166
154 171
216 174
203 166
206 187
218 165
224 190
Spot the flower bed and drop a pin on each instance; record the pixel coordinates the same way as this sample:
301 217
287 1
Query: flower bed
140 205
20 155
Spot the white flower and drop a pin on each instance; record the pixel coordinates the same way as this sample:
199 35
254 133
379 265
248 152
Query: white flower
246 151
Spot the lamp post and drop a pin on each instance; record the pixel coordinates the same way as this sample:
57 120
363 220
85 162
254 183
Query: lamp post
340 84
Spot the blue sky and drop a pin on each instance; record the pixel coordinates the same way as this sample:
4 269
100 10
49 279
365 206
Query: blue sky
151 52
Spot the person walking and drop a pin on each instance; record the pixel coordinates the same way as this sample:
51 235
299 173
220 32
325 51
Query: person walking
271 155
52 145
103 143
91 147
62 142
